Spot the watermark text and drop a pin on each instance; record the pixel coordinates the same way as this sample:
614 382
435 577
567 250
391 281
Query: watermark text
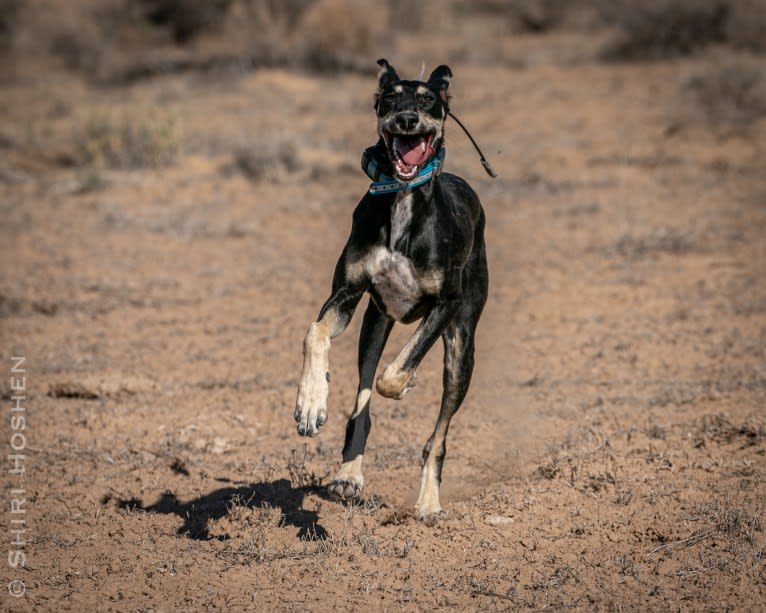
17 468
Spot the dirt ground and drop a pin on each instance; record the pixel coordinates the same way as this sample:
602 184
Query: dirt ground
611 454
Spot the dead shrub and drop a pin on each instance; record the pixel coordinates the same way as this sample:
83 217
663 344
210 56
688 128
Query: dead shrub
545 15
657 29
79 36
147 141
340 34
746 25
269 161
185 19
9 15
539 16
720 429
730 89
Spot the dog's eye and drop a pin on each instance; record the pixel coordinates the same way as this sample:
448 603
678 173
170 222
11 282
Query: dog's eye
427 98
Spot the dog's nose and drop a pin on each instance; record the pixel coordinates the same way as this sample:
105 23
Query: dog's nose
406 120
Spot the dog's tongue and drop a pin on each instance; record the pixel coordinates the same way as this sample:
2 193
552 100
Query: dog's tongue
413 150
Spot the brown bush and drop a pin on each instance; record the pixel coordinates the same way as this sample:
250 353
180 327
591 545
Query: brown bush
656 29
730 89
184 18
340 34
9 14
139 140
79 35
746 25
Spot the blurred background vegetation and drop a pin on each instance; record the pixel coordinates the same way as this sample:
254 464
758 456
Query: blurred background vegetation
113 43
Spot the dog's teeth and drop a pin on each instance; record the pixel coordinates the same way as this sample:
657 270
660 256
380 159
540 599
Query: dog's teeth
423 146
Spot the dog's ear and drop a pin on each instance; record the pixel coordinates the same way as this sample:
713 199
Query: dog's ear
439 81
387 75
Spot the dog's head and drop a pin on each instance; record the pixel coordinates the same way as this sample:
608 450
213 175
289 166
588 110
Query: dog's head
411 117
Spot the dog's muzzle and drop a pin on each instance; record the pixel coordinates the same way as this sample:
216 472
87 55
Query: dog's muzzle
409 152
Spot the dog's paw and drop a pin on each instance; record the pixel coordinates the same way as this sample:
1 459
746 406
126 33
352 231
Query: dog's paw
394 382
427 508
428 513
348 483
311 406
345 489
310 420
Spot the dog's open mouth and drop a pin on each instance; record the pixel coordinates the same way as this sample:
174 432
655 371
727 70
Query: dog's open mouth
409 152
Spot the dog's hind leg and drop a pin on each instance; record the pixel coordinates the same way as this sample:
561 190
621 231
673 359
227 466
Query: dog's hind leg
458 366
348 483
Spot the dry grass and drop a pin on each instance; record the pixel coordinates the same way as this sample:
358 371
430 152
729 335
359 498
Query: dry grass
665 28
729 90
267 160
117 42
185 19
9 13
300 475
134 140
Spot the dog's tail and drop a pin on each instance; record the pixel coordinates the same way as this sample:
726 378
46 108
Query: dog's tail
484 161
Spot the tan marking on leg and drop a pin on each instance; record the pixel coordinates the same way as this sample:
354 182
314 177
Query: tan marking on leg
348 483
361 399
395 382
367 265
428 500
433 124
311 405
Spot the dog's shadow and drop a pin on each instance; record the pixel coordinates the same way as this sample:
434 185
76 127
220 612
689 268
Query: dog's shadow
197 513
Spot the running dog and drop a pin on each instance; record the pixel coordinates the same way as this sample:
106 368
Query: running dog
417 248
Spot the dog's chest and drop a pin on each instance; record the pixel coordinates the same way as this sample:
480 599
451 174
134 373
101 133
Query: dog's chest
397 283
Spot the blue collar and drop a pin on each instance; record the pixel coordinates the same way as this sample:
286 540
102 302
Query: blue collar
386 184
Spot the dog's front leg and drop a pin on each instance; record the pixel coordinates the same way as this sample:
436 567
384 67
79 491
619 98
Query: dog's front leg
399 376
313 388
348 482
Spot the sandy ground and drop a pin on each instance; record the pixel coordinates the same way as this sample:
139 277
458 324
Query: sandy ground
609 456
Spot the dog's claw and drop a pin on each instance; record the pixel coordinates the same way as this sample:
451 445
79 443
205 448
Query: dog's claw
304 430
309 422
345 490
430 517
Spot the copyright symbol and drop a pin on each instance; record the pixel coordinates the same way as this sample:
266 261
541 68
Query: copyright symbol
16 588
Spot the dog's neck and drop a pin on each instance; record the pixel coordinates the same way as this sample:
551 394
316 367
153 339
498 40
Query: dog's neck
406 206
401 215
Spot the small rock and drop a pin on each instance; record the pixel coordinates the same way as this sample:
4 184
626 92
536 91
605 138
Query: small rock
498 520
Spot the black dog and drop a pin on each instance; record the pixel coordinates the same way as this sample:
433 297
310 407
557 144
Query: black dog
417 247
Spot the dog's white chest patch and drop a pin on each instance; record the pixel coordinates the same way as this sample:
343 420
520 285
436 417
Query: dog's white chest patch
395 281
400 218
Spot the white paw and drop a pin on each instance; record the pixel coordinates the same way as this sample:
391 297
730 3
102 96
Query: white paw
348 484
311 406
427 512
